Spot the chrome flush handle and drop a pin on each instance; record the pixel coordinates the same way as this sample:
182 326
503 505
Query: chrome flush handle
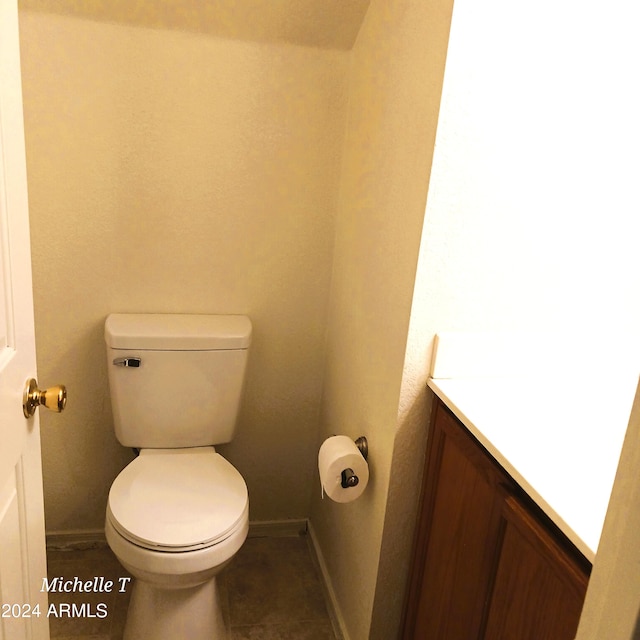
127 362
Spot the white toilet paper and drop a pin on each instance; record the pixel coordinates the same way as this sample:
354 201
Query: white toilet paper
337 454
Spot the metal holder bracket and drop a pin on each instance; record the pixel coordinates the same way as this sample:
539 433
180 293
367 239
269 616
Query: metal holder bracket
348 477
363 446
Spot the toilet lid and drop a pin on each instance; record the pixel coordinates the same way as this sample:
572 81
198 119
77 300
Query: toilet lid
178 499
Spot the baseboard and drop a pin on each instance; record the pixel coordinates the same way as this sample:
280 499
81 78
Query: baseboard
277 528
337 620
76 540
95 538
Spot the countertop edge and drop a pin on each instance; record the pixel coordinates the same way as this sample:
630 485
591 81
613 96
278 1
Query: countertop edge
530 490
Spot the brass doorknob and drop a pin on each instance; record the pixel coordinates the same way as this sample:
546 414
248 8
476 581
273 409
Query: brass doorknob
54 398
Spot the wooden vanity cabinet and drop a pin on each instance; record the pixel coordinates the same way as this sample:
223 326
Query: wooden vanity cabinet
487 563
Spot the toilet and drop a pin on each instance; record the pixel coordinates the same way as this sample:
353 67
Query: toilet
179 512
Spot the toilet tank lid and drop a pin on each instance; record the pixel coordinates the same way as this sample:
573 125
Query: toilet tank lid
177 332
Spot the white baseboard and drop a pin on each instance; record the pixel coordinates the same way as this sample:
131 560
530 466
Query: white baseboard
337 619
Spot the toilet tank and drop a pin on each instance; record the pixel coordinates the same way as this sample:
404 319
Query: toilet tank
176 380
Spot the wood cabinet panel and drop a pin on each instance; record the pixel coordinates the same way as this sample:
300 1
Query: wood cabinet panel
488 564
539 588
462 495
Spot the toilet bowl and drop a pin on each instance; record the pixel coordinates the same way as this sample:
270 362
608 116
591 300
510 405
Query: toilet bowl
179 512
174 530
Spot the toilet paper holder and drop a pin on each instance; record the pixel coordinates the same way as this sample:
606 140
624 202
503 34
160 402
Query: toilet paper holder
348 477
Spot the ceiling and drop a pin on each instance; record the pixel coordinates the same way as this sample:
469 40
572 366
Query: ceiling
331 24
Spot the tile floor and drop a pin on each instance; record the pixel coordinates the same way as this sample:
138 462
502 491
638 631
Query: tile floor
271 591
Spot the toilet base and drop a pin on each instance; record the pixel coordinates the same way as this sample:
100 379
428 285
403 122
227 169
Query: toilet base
175 614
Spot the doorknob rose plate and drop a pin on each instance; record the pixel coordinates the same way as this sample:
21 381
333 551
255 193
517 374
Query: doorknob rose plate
54 398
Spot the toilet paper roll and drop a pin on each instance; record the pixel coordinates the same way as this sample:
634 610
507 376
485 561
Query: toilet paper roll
337 454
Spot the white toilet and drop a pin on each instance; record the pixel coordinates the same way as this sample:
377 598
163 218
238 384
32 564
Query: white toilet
178 513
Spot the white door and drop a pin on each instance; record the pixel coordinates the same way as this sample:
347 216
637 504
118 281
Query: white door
23 611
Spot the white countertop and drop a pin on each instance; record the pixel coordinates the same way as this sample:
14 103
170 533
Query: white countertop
559 436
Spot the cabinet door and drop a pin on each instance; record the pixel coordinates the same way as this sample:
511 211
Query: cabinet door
456 547
540 585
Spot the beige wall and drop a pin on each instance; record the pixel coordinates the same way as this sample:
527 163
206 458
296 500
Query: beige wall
395 83
176 172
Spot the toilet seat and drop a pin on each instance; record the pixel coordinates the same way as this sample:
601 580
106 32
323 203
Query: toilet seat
178 500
